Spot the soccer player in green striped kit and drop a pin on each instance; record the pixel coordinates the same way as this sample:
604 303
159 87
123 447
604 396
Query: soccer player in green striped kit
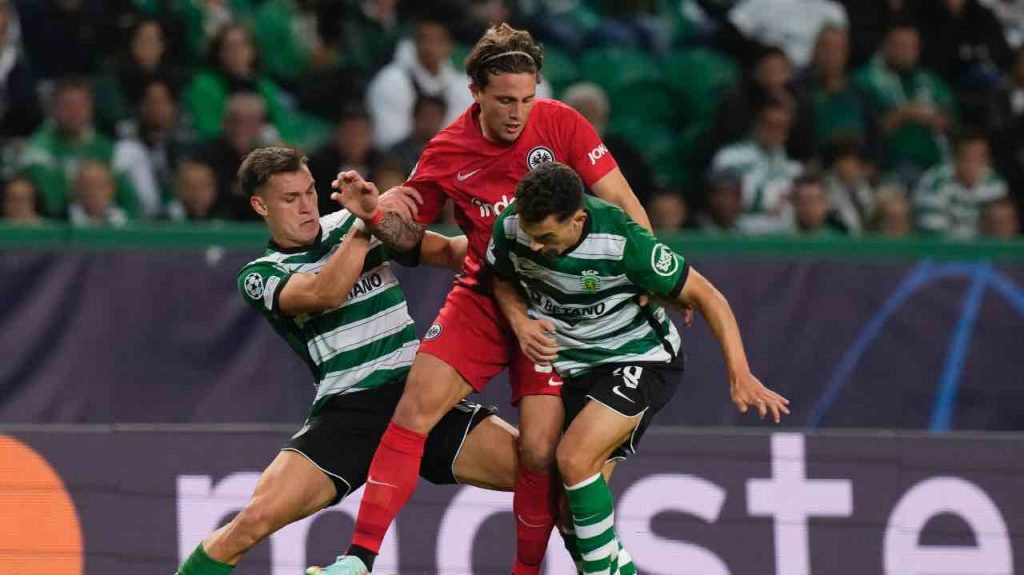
327 288
582 264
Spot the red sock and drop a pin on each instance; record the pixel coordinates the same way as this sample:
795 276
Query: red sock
391 481
534 507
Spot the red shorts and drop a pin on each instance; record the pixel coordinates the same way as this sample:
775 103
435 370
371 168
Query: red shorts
472 335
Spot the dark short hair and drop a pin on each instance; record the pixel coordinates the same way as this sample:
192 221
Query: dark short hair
550 189
491 55
37 197
262 163
808 179
967 135
843 146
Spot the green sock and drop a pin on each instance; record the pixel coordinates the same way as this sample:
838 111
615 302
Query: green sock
626 566
199 563
572 546
593 516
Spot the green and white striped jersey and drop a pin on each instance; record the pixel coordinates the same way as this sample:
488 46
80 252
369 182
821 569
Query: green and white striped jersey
944 205
366 342
766 177
589 292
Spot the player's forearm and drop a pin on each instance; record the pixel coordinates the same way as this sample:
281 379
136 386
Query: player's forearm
397 233
634 209
718 313
511 302
615 189
343 268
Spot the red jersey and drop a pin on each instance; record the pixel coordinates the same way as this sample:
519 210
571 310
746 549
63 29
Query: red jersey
480 176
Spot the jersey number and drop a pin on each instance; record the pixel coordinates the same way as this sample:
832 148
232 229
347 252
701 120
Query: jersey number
630 375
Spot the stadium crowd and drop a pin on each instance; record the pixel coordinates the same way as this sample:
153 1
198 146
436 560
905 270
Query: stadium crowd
794 117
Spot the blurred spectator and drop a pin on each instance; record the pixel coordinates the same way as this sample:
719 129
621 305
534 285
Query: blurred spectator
789 24
390 172
195 191
365 31
70 37
245 129
427 120
892 215
154 142
848 182
425 70
950 197
914 106
233 68
769 79
963 42
94 205
869 22
810 207
19 108
119 91
288 34
1007 126
350 148
840 108
21 202
592 103
200 21
999 220
63 142
1010 14
668 211
765 170
721 215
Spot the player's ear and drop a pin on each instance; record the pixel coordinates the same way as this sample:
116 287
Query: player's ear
579 217
475 91
258 205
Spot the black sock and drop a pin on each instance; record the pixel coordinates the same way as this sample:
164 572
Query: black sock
364 554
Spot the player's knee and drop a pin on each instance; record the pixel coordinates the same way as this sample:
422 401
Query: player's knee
537 453
575 465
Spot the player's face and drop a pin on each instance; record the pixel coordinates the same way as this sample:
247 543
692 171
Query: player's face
505 105
288 203
552 238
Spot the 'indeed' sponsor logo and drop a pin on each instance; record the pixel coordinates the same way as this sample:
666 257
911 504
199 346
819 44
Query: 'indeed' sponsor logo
492 210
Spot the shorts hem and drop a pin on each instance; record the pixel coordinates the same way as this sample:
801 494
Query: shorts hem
333 476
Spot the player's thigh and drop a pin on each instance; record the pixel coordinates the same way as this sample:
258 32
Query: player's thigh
528 378
470 445
432 388
592 436
291 488
488 458
540 427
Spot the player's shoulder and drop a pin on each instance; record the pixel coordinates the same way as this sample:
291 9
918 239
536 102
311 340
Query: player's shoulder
554 113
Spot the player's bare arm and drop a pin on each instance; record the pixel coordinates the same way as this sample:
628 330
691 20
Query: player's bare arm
614 188
391 221
443 252
532 333
311 293
746 390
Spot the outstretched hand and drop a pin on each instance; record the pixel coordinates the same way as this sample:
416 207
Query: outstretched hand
747 391
355 194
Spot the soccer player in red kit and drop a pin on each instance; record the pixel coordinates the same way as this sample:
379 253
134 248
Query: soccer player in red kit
476 163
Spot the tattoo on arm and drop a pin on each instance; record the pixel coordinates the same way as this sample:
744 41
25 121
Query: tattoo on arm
398 234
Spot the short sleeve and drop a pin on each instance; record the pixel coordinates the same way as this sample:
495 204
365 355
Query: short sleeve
424 180
498 259
585 152
652 265
261 285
